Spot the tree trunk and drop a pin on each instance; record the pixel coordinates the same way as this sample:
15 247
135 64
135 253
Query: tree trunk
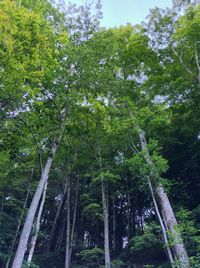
169 253
2 204
74 220
114 227
105 210
166 208
106 223
67 251
171 222
37 228
19 256
60 236
129 216
55 223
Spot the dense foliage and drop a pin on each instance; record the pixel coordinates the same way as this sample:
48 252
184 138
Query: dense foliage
104 119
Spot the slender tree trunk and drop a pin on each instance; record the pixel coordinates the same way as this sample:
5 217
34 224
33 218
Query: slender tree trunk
141 224
19 256
2 202
171 222
37 228
166 208
172 248
169 253
129 216
55 223
105 211
67 251
114 227
61 235
106 223
20 220
74 220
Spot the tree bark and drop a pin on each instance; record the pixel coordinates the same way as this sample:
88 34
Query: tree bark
19 256
171 222
166 207
129 216
67 251
74 220
106 223
37 228
114 227
169 253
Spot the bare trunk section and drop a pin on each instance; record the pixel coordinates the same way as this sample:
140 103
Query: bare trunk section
172 249
74 219
114 227
67 251
37 227
2 204
171 222
98 157
106 223
55 223
169 253
168 212
105 210
20 220
19 256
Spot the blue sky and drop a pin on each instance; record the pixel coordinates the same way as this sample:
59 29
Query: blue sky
119 12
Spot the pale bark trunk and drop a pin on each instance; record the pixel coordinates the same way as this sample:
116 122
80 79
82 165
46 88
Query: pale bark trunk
105 211
166 208
19 256
169 253
171 222
172 248
106 224
37 227
53 229
67 251
114 227
74 220
20 220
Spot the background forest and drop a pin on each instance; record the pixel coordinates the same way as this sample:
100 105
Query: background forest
99 137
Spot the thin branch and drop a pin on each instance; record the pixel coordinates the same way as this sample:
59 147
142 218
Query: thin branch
133 147
181 61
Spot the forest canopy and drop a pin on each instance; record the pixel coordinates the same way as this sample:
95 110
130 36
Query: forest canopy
99 137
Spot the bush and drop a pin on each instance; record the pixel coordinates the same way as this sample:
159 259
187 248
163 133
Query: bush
117 263
91 256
